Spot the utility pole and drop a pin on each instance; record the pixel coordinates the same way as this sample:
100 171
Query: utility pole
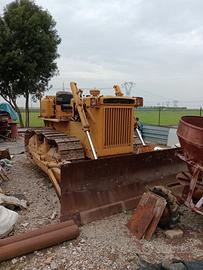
128 87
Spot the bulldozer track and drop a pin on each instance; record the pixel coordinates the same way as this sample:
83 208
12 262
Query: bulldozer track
68 148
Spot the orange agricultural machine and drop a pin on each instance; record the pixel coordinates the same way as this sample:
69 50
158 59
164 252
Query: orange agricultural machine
88 149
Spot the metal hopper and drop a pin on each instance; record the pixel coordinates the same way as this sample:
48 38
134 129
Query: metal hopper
190 134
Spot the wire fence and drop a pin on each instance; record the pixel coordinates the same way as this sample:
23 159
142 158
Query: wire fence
164 116
161 116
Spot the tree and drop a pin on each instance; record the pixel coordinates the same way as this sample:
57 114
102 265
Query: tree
28 50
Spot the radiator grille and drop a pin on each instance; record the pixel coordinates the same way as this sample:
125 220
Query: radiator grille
118 125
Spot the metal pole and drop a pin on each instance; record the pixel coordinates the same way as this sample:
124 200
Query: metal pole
159 115
140 136
91 144
200 111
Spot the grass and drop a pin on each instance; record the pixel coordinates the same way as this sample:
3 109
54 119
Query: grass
35 121
168 117
164 117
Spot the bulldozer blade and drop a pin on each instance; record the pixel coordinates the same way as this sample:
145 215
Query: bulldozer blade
94 189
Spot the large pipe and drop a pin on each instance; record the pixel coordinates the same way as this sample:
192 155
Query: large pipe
37 232
38 242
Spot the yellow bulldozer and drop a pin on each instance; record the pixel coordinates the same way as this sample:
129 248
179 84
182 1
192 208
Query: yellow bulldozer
88 149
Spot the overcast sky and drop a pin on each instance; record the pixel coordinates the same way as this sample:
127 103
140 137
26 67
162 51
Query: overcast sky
157 44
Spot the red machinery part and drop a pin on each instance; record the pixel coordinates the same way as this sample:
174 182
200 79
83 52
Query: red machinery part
190 134
94 189
29 234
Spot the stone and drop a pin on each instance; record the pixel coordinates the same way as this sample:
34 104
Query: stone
82 241
22 258
48 260
14 261
8 218
174 265
61 267
174 233
53 266
11 201
53 216
24 224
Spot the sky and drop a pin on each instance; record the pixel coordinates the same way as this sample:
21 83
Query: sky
156 44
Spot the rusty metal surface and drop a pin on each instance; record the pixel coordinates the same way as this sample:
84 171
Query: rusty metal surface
37 241
37 232
141 219
144 221
190 134
158 210
94 189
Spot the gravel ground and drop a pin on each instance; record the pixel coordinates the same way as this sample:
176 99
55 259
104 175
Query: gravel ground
104 245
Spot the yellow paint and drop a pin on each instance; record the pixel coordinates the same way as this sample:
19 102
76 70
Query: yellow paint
110 120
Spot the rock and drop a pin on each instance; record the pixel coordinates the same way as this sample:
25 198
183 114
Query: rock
14 261
41 222
78 249
4 153
53 216
174 265
12 201
24 224
53 266
61 267
8 218
173 234
82 241
50 185
48 260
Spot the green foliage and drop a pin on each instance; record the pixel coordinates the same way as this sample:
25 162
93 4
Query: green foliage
28 46
28 49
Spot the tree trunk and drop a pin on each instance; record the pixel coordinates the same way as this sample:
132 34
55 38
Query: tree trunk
27 116
19 114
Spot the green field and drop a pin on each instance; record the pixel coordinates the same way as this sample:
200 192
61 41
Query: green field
163 117
35 121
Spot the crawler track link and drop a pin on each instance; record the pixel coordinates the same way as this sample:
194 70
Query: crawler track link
68 148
